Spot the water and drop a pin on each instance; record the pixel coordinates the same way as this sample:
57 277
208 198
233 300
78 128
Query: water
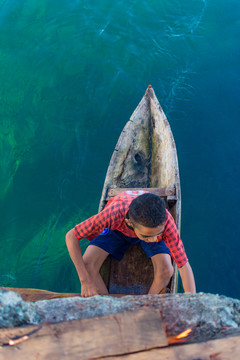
72 72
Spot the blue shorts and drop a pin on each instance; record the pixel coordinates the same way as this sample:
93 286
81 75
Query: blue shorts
116 244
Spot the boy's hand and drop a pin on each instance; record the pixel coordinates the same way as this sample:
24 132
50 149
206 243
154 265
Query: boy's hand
88 289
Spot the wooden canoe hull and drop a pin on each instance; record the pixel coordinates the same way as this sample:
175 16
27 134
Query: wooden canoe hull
145 157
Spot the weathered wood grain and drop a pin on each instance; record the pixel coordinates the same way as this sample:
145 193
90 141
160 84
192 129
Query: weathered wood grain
221 349
163 192
118 334
32 295
127 336
145 156
28 294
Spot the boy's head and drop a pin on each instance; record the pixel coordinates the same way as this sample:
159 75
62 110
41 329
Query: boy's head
147 216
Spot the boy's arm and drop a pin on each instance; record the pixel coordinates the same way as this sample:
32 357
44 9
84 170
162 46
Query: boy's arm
88 287
187 277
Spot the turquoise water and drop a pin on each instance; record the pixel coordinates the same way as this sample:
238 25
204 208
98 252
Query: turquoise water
71 74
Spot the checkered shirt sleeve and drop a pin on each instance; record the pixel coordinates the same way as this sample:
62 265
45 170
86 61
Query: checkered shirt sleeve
173 241
110 217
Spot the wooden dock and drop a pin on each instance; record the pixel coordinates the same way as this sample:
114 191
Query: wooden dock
132 335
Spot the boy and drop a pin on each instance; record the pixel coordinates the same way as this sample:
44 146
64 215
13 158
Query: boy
129 218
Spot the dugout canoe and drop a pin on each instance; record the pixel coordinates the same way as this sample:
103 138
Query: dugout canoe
145 157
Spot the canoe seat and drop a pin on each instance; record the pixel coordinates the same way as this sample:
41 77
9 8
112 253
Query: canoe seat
169 192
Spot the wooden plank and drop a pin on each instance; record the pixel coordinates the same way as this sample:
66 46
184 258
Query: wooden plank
163 192
32 295
84 339
220 349
18 332
38 294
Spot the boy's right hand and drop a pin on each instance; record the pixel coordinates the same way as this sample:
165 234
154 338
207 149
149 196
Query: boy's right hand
88 289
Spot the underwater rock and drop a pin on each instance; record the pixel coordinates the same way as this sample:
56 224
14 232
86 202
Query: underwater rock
16 312
209 316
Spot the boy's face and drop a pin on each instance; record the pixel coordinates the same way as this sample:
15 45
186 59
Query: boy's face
145 233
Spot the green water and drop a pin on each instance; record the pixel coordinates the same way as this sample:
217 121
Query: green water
71 74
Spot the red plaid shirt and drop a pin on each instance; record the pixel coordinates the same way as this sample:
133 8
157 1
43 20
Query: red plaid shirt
113 217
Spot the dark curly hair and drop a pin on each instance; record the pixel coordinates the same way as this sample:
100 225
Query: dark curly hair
148 210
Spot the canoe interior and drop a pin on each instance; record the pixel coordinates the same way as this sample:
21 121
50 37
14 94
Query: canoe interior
145 157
